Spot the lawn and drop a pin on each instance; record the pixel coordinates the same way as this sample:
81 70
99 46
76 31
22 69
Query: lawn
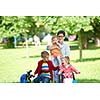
13 62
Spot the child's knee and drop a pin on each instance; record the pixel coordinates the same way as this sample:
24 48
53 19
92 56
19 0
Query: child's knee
36 80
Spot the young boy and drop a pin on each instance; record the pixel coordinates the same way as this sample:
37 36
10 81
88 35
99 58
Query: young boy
44 69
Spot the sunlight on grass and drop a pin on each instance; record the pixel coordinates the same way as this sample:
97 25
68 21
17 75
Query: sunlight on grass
13 63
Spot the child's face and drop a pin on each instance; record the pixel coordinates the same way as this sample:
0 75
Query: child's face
45 57
53 53
64 62
54 40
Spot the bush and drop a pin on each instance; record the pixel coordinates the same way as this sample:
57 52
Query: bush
8 45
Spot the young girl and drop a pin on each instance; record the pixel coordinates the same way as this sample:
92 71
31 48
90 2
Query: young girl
67 69
44 69
56 57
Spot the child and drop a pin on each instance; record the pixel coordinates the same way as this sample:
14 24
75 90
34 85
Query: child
56 57
55 48
44 69
67 70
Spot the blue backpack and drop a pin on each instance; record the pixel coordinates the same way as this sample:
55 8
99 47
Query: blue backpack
23 78
26 78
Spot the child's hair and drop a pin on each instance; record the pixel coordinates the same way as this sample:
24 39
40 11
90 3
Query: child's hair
44 53
67 59
53 37
55 49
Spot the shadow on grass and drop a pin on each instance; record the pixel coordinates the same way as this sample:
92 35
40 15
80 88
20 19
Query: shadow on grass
92 46
88 81
19 82
79 81
74 47
35 56
86 59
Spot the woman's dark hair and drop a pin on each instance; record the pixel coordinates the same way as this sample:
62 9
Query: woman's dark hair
61 32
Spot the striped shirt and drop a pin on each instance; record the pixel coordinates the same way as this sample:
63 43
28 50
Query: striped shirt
45 70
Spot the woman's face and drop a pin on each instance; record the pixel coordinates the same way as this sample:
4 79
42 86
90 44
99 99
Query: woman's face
60 38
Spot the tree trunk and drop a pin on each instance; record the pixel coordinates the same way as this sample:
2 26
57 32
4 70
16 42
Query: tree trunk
80 45
97 41
84 42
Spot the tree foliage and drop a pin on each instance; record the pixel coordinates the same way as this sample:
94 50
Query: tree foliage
37 24
84 26
95 22
11 25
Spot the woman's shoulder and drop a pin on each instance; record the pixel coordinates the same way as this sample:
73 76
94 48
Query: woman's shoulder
65 44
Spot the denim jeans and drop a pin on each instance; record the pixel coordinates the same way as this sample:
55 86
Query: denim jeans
56 76
42 79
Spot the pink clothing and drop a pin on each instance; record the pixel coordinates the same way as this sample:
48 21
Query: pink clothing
68 70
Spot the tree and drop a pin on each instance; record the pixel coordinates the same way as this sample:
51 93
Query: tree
95 22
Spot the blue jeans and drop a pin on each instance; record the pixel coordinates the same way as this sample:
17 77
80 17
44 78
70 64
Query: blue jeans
42 79
56 76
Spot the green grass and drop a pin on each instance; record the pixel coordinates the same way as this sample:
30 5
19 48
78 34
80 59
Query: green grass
13 62
89 66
